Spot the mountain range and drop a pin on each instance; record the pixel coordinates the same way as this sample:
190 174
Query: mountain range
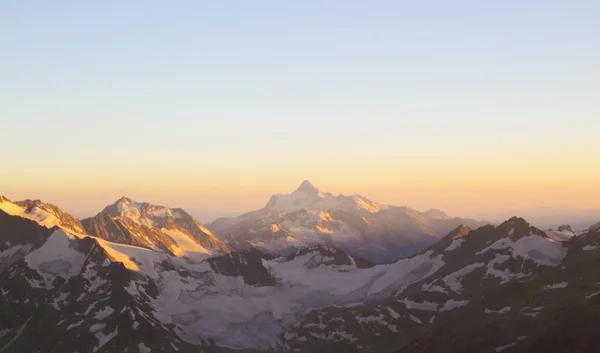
310 272
548 217
308 216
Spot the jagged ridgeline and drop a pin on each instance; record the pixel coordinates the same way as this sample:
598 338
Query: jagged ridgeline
309 216
144 278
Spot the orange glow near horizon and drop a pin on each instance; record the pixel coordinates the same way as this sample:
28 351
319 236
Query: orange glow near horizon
444 190
489 179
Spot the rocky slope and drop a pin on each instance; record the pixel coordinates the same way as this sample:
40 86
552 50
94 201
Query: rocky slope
44 213
506 288
63 293
88 287
509 288
308 216
153 227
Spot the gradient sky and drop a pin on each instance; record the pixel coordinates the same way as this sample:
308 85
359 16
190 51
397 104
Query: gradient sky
468 106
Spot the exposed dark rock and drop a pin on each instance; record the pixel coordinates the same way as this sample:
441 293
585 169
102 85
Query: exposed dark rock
247 264
565 228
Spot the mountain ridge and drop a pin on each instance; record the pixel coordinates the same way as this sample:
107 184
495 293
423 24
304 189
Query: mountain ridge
319 298
308 216
147 225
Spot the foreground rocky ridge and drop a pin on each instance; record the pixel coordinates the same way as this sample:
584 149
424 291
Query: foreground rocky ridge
505 288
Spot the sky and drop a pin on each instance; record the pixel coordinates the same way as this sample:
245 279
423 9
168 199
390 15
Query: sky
467 106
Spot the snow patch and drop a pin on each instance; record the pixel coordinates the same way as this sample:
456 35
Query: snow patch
501 348
56 258
559 236
501 311
38 215
592 295
379 319
556 286
453 280
96 327
433 288
104 313
534 247
406 271
75 325
186 245
104 339
415 319
453 304
393 313
14 250
530 314
424 306
456 243
60 300
143 348
504 275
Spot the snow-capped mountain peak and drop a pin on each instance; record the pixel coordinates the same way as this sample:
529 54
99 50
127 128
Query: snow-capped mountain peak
124 199
308 216
436 214
154 227
518 227
307 187
307 196
46 214
146 213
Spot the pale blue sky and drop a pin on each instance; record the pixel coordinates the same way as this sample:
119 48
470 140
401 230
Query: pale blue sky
252 90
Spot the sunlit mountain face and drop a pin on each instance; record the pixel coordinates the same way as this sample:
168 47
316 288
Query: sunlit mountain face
309 216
